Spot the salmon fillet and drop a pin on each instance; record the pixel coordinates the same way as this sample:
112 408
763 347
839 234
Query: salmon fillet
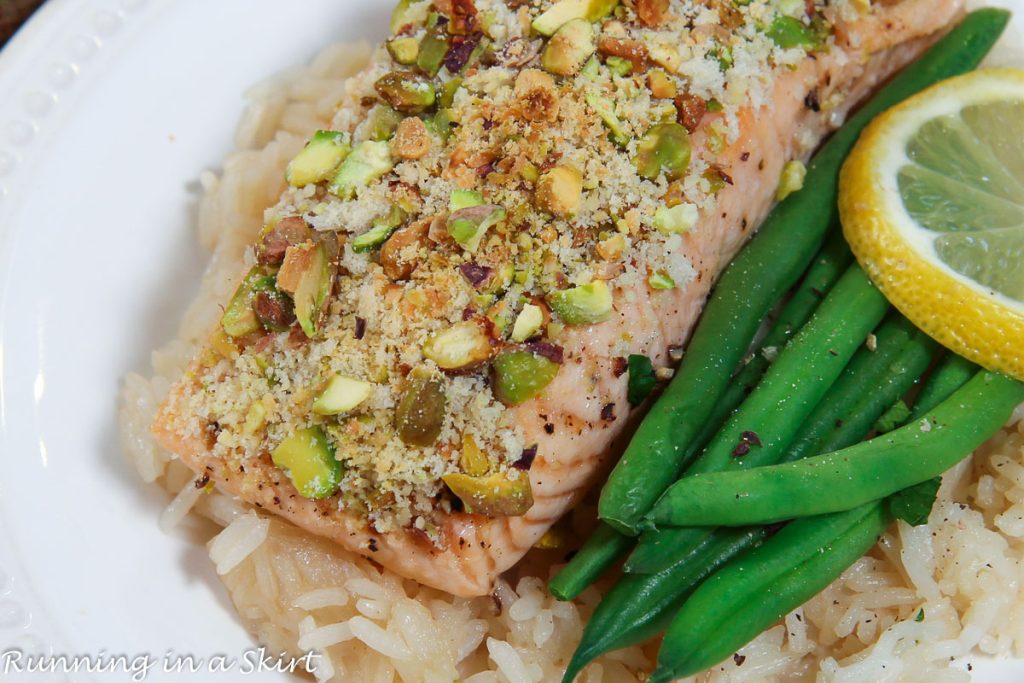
523 136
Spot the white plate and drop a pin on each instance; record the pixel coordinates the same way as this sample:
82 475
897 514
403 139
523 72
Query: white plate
109 110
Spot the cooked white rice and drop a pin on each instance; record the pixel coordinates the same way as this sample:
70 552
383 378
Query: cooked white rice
296 592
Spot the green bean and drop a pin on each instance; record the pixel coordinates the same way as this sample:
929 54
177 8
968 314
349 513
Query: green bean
904 372
604 547
946 378
656 548
660 548
755 281
646 603
766 423
844 479
874 381
757 589
830 263
952 373
630 615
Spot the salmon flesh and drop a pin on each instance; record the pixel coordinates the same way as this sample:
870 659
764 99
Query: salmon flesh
426 360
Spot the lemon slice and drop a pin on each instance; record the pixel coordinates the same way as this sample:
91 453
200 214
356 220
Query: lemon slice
932 203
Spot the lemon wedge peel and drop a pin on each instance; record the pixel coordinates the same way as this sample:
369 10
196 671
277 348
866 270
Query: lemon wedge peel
899 254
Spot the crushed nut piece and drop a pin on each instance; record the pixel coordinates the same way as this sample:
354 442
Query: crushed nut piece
661 85
691 110
395 256
651 12
559 191
537 95
611 249
632 50
412 139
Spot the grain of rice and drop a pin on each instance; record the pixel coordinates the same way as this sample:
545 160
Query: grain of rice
366 588
238 540
372 609
179 508
510 664
525 608
544 628
324 636
378 639
321 597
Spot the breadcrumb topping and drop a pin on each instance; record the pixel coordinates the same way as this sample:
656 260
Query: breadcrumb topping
570 165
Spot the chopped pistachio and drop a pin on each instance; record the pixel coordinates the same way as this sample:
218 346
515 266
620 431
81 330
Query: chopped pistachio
605 108
307 274
583 305
502 279
404 50
789 32
273 308
560 191
464 199
341 395
665 148
619 66
401 254
462 346
483 301
412 140
530 172
520 375
500 314
564 11
592 69
433 49
494 495
446 98
723 54
307 456
255 418
374 237
421 411
611 249
553 539
569 49
381 122
661 85
665 56
473 461
661 280
537 96
379 233
441 124
791 180
318 159
406 91
716 183
676 219
277 236
528 323
367 162
239 317
223 345
468 226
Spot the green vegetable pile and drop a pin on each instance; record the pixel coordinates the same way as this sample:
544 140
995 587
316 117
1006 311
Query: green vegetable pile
730 449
